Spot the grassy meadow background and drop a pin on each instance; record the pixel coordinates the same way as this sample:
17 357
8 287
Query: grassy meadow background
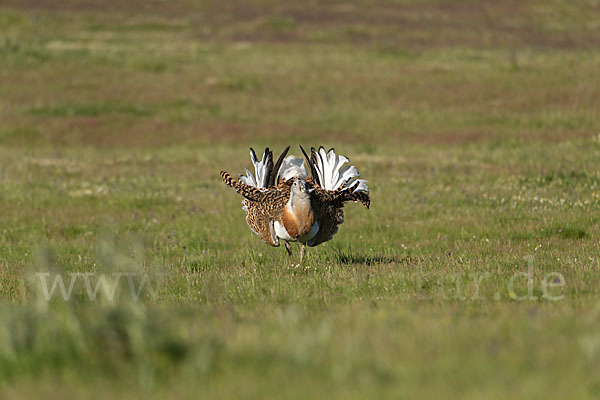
476 123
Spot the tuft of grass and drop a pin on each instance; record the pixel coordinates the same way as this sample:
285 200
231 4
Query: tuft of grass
571 233
88 110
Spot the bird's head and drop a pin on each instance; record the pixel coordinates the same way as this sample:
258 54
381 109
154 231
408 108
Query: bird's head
299 187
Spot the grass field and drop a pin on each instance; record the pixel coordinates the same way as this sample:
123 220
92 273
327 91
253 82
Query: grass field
476 123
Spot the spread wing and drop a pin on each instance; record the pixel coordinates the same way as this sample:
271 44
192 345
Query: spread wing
332 184
263 206
263 201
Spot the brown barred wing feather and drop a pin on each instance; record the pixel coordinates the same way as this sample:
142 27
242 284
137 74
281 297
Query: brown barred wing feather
264 207
249 192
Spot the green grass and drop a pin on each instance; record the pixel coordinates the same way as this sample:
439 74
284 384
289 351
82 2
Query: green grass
476 125
92 110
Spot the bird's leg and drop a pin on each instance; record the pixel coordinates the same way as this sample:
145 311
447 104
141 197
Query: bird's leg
302 251
288 247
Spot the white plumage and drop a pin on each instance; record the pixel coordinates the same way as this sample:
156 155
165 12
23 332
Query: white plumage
293 167
260 171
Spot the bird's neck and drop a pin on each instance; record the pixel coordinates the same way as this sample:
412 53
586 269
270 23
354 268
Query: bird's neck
300 212
298 199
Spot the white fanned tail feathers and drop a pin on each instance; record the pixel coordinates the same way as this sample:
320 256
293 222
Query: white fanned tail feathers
292 167
333 175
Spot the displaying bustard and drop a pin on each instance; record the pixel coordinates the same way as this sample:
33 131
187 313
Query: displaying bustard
283 202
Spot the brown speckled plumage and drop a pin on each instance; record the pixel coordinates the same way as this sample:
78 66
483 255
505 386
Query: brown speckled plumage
328 206
265 206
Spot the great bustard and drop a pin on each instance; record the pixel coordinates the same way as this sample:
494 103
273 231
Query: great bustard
283 202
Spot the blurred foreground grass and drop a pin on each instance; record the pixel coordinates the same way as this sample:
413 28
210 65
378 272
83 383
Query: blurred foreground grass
476 125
